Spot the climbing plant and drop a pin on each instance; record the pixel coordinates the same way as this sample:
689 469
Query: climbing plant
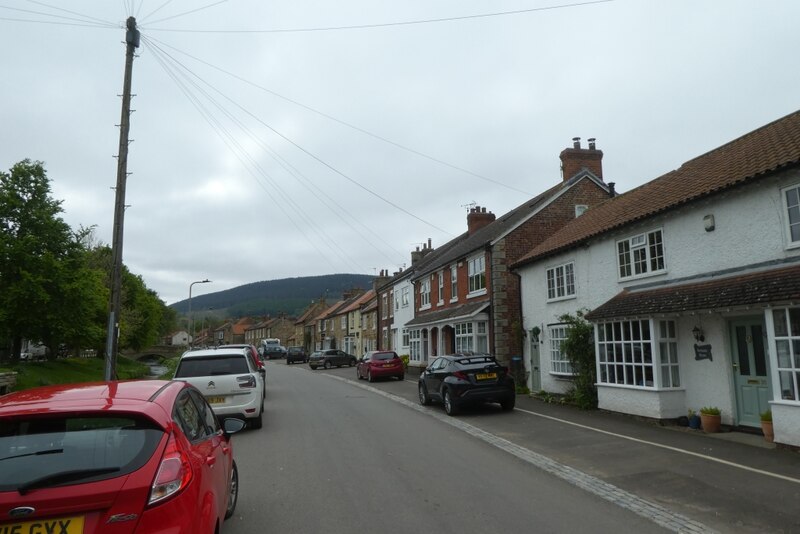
579 349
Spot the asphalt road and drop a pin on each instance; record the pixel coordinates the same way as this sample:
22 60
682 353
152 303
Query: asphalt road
340 456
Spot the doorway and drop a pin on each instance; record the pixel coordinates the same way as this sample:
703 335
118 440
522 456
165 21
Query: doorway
750 370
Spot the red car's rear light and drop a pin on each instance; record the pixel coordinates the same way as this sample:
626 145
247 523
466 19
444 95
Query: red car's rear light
248 381
174 473
461 374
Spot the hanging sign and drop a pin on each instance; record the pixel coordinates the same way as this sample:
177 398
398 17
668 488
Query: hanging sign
702 352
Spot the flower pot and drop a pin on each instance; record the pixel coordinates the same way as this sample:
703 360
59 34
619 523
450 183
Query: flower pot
711 423
769 434
694 422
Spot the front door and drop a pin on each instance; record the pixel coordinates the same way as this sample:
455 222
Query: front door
536 376
750 370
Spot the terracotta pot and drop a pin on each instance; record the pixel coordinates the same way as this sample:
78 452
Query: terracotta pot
711 423
766 428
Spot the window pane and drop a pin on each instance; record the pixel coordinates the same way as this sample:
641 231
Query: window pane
676 377
794 321
787 386
792 197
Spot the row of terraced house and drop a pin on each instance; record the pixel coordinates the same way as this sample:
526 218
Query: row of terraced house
691 282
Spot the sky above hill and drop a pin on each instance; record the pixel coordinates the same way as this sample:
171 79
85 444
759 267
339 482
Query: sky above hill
297 138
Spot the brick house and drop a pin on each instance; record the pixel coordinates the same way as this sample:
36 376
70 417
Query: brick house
465 297
305 331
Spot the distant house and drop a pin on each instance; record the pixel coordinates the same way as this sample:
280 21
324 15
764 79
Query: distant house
180 338
693 283
465 297
305 331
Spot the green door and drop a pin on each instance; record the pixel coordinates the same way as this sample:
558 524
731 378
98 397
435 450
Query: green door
750 370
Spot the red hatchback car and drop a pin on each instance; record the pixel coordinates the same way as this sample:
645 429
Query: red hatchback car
115 457
379 364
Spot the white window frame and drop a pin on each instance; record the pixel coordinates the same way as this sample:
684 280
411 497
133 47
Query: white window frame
791 212
482 336
406 337
344 322
415 345
561 281
384 306
464 338
405 292
454 283
440 296
476 274
396 300
425 293
641 255
784 324
559 362
629 354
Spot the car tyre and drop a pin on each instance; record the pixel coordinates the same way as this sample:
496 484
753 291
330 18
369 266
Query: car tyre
258 422
233 492
449 406
401 377
509 404
424 399
327 364
352 363
370 378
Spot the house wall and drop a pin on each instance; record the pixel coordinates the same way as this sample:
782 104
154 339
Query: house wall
749 229
403 314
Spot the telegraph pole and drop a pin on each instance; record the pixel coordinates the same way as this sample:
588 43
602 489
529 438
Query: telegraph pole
112 338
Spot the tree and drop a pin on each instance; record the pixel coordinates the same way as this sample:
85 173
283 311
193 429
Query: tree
43 280
579 349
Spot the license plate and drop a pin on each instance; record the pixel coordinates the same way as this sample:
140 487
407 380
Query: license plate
216 400
485 376
64 525
388 365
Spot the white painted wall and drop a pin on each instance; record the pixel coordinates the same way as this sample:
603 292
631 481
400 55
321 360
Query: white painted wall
749 229
403 314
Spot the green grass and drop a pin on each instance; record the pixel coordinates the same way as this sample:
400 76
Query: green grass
71 371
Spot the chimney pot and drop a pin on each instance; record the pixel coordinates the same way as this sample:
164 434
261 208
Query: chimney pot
576 142
591 143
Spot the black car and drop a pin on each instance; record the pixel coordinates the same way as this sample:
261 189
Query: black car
274 352
329 358
296 354
457 380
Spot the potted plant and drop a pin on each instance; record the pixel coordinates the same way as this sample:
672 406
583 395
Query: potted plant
766 426
694 420
710 418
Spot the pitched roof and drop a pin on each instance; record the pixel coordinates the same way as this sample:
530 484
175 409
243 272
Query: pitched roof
465 244
743 160
750 289
464 311
358 301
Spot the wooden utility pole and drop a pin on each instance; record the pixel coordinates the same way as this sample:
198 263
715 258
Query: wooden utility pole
112 338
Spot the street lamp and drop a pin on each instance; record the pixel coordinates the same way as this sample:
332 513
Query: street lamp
191 319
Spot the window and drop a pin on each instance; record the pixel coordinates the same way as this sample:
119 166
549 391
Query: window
792 198
561 281
580 209
384 306
425 293
453 283
786 325
482 338
344 322
464 339
626 349
559 362
405 337
415 345
405 292
668 355
477 274
396 300
441 287
641 255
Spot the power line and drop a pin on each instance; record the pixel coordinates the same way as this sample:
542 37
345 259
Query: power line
86 17
83 22
189 12
391 24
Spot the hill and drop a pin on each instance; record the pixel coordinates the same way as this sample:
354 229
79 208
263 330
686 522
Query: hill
273 297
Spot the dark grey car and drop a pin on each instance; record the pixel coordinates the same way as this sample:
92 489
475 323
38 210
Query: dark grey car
331 358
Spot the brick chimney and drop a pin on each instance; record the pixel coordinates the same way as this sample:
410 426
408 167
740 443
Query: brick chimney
574 159
477 218
418 254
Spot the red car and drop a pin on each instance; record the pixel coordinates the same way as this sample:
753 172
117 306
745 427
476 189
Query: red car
115 457
379 364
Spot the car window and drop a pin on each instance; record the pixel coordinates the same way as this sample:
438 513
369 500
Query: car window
206 412
439 363
188 417
384 356
36 448
218 364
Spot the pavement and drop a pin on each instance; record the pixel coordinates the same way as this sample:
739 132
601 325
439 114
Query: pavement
687 480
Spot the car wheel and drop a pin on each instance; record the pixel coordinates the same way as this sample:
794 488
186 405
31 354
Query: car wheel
401 377
352 363
424 399
449 406
258 422
358 373
233 492
508 404
327 364
369 376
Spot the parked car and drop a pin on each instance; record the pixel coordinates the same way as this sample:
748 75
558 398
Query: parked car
255 356
274 352
460 379
228 379
379 364
130 456
296 354
329 358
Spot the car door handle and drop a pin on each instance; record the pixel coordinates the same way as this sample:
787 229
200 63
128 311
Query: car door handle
211 460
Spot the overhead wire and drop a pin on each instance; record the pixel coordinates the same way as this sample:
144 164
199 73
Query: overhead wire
86 17
159 8
249 162
302 179
85 22
190 11
391 24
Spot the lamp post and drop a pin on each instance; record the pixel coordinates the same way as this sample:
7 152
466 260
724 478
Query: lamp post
191 319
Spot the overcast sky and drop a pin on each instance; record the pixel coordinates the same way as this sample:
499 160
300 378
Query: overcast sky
272 139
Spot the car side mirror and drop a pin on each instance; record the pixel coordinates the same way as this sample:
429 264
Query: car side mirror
232 425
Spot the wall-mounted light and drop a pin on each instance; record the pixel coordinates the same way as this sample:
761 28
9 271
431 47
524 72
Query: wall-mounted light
697 332
708 223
